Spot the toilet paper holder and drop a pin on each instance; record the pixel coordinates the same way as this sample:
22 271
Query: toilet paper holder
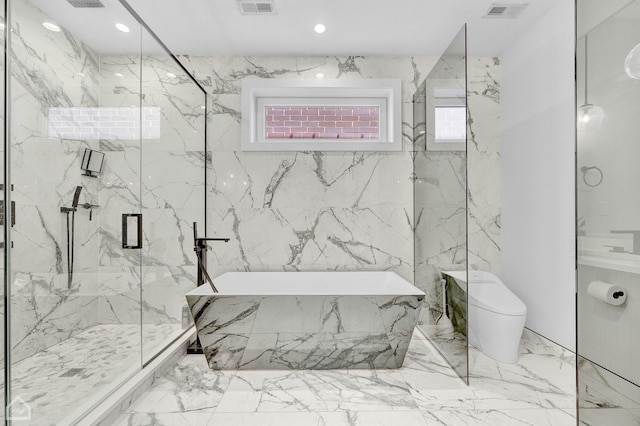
607 293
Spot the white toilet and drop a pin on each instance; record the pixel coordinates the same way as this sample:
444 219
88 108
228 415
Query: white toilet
495 317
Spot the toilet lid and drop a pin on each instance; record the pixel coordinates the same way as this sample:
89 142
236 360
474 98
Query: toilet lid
486 291
494 296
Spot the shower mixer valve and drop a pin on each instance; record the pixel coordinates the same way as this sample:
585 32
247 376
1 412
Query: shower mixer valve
90 207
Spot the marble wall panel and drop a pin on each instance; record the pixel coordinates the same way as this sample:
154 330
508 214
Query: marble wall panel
161 289
49 70
306 239
120 192
483 156
173 178
334 179
119 294
307 210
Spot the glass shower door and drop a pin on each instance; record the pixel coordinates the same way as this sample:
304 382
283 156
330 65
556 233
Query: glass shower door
173 193
440 204
5 212
107 163
74 289
608 213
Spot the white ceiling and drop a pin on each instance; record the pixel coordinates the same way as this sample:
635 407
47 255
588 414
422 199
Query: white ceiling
354 27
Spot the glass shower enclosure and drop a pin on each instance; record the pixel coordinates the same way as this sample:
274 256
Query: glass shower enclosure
105 176
440 204
608 212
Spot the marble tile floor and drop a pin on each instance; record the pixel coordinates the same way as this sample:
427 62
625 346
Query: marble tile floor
58 380
538 390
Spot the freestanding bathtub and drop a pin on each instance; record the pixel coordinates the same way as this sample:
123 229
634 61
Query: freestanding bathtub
305 320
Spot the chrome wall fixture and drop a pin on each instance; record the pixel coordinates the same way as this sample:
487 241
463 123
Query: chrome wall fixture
585 171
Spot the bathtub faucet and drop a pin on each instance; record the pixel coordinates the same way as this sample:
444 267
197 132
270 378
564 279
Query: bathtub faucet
201 247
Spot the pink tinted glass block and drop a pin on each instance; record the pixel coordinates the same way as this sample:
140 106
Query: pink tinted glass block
321 122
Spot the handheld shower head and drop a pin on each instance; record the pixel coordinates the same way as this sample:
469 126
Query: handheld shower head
76 196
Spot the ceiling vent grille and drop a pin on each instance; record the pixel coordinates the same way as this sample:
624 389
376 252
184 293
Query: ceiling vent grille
85 3
259 7
505 11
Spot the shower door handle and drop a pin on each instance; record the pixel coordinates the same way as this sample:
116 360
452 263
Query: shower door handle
127 218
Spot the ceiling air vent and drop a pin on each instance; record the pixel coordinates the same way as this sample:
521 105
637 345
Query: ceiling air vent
85 3
505 11
256 7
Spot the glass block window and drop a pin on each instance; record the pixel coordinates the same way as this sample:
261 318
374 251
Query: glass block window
324 122
110 123
451 122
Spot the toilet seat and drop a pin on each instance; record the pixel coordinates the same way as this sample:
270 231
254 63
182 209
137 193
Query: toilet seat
486 291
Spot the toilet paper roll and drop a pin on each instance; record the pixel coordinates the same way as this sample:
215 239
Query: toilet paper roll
607 293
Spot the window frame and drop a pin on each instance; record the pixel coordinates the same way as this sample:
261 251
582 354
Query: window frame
384 93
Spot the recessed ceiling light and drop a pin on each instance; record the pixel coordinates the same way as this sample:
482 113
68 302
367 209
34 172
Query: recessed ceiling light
319 28
117 74
122 27
51 27
171 75
319 75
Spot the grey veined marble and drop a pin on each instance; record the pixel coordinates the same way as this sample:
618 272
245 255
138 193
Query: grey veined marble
312 320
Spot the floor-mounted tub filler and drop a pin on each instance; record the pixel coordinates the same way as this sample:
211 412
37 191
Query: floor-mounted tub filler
306 320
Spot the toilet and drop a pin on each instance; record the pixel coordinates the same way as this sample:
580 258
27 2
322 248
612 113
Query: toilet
496 317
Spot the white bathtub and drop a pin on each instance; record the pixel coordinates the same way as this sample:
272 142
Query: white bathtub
306 320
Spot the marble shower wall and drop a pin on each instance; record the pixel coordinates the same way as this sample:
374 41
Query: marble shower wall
307 211
49 70
337 210
483 164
